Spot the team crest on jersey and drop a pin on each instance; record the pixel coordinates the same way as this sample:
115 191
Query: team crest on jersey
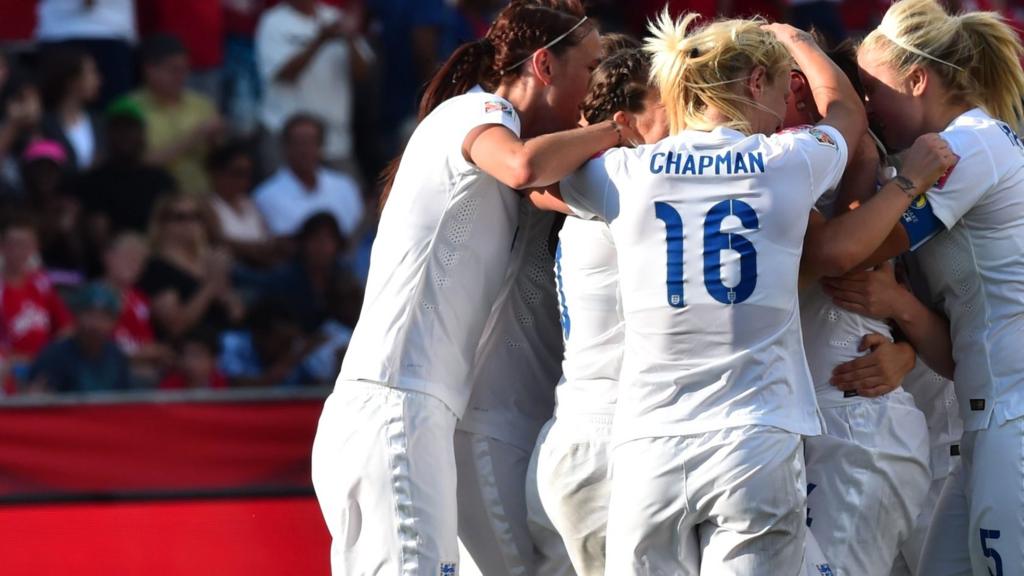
824 569
822 137
447 569
945 177
493 106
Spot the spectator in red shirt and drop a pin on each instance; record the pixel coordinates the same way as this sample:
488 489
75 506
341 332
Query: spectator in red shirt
32 314
123 262
197 364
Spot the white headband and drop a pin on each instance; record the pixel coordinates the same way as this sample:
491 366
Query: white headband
892 38
546 46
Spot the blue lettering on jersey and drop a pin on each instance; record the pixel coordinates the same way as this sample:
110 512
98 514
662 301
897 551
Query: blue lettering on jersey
447 568
920 222
566 324
824 570
727 163
1014 139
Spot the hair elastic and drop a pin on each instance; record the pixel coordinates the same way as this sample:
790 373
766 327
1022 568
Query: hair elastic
892 38
545 47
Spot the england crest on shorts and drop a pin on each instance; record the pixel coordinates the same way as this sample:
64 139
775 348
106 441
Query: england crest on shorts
447 569
824 569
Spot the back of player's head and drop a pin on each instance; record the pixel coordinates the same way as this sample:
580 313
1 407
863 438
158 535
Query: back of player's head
706 67
615 42
976 55
522 28
620 82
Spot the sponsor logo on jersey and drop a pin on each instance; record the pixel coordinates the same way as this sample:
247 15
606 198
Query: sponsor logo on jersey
823 138
494 106
447 569
945 177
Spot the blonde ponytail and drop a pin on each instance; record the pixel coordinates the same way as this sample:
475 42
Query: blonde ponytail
696 71
976 55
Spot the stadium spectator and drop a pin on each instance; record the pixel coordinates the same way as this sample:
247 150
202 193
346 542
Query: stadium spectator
89 359
821 15
103 28
199 24
119 194
45 180
32 314
197 364
270 351
242 227
180 123
243 89
309 54
187 280
68 82
304 187
19 124
123 263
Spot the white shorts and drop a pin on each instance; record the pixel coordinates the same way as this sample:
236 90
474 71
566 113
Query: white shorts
815 563
867 481
574 486
739 494
552 558
978 526
384 473
492 504
908 563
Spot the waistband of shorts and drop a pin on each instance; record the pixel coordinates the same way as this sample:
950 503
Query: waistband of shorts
368 386
590 419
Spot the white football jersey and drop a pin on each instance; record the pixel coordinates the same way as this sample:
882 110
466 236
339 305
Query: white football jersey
975 268
587 272
443 246
709 230
518 360
832 335
936 398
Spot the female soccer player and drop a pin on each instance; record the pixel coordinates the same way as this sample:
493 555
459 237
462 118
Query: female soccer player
383 459
569 478
925 70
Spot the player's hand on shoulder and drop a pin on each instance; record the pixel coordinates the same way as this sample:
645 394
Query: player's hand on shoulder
878 372
928 159
874 293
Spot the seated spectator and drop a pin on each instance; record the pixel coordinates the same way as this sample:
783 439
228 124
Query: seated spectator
88 360
241 224
187 281
60 228
197 364
103 28
308 54
270 352
123 263
32 314
68 82
180 123
120 193
303 187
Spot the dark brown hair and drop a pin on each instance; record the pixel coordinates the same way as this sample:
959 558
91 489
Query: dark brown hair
620 82
522 27
615 42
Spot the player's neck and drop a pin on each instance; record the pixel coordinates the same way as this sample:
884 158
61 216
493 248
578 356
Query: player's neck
529 104
941 114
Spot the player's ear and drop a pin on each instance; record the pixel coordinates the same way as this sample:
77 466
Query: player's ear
798 85
917 81
757 82
543 66
624 118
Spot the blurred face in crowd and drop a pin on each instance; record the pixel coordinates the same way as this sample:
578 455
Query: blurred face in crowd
42 178
87 85
197 363
235 179
19 246
95 326
127 139
182 224
320 247
167 77
303 147
125 260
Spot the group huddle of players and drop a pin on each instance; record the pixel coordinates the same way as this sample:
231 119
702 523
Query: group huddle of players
716 326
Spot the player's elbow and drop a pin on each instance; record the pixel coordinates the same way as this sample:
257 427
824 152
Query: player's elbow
520 173
831 259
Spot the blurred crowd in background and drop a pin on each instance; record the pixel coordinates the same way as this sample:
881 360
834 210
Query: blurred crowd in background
187 187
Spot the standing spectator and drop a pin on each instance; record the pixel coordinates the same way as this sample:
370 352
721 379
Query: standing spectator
308 55
103 28
123 262
180 123
22 110
242 227
45 179
243 89
32 314
120 193
199 24
187 281
88 360
68 82
303 187
197 364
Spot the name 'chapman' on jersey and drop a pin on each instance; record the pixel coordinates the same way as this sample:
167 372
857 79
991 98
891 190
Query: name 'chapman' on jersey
726 163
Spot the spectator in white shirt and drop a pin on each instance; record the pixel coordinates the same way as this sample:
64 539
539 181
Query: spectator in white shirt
308 54
304 187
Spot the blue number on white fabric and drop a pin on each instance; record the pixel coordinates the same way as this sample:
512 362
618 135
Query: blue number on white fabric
674 251
715 241
564 317
991 552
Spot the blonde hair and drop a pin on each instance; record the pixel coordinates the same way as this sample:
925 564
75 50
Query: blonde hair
696 71
976 54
